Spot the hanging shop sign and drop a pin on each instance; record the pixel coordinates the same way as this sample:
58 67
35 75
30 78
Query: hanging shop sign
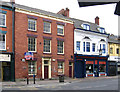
5 57
28 56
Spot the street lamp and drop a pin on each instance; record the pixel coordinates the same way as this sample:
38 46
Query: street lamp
100 51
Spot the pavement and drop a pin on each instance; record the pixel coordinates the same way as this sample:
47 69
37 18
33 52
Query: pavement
51 82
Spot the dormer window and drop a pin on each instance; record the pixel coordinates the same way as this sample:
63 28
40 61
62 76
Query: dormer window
102 30
86 26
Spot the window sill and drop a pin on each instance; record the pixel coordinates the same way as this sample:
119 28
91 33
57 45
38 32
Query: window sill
60 35
32 30
47 33
47 53
3 50
60 54
3 26
33 52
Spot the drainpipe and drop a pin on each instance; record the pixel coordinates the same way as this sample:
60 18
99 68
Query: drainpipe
13 43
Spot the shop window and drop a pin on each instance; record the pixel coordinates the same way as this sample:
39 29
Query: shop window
32 67
2 41
89 68
102 68
60 67
47 27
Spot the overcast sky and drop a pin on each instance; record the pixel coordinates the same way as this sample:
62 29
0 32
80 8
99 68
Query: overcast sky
105 12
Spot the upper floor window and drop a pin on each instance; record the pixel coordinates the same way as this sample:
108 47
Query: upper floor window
117 51
60 47
86 26
111 50
31 44
2 41
102 30
47 27
47 45
86 46
32 24
60 29
103 47
93 47
2 19
78 45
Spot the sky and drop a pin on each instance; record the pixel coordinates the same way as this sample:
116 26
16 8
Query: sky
105 12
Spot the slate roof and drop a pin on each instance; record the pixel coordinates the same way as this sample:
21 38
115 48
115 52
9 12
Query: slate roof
113 39
35 10
93 26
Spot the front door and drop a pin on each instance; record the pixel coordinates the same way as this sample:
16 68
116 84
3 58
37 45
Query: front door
46 72
70 71
96 71
6 73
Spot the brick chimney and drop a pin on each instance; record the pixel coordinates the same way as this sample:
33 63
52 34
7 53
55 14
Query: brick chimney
12 1
64 12
97 20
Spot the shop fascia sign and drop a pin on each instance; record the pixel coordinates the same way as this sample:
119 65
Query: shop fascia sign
5 57
28 56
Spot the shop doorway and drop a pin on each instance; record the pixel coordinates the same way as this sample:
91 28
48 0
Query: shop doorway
96 73
6 71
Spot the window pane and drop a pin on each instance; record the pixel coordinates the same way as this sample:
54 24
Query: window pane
117 50
32 24
2 19
60 29
32 67
87 46
31 44
47 27
2 41
78 45
93 47
89 68
46 45
84 46
111 50
104 48
60 46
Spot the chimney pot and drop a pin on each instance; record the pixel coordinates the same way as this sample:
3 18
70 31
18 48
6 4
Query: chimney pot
97 20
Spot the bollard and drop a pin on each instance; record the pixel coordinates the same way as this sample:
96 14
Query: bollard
27 80
34 79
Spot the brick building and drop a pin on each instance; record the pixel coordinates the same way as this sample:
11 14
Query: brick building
6 50
49 37
46 36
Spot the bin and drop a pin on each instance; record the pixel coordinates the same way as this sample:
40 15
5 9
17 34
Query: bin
61 78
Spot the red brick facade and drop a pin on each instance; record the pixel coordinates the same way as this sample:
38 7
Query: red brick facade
21 46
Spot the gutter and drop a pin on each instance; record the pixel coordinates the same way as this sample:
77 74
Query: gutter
13 44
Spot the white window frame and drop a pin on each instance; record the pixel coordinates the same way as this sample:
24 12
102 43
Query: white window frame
79 46
5 41
5 20
35 44
35 24
87 26
57 47
101 30
62 27
61 68
86 46
50 46
45 26
30 68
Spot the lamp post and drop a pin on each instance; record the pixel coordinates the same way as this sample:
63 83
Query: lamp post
100 51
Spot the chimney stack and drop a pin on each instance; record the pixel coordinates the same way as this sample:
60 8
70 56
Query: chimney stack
12 1
97 20
64 12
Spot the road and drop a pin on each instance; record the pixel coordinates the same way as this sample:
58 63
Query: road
88 84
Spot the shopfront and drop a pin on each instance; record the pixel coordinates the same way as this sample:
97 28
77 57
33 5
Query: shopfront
5 67
90 66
